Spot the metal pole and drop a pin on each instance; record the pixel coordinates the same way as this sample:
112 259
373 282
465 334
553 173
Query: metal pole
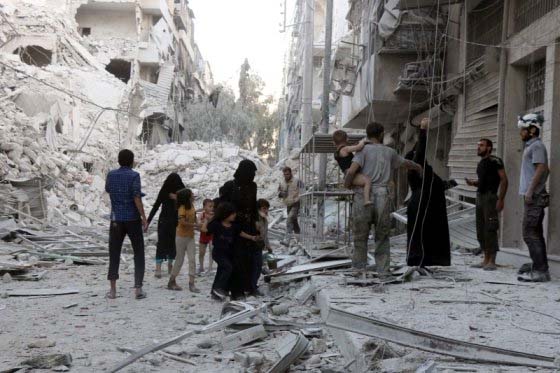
325 114
307 121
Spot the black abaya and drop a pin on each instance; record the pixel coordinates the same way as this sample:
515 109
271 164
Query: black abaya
242 193
427 226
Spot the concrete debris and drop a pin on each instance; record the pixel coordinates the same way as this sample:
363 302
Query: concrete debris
280 309
48 361
427 367
41 292
6 278
290 349
249 359
206 343
244 337
41 343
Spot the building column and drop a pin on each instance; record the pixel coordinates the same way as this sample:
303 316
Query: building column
551 137
514 104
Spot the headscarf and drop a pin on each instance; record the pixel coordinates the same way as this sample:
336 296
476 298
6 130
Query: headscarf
172 184
245 172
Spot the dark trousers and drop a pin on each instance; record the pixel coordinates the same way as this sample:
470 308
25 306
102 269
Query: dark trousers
256 268
533 233
487 222
292 225
117 232
224 271
240 281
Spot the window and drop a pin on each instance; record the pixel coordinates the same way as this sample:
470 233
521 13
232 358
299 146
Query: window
534 85
484 27
85 31
528 11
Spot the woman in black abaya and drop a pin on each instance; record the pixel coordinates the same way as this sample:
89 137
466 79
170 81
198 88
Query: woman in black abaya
242 193
427 227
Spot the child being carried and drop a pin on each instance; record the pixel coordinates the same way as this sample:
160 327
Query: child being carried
344 154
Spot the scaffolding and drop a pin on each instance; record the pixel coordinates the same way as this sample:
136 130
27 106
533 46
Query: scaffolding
331 224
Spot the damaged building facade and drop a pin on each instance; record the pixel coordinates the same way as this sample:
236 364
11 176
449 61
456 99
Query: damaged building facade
151 44
472 67
81 80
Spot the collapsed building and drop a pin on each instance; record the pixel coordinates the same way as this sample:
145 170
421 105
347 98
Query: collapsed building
80 80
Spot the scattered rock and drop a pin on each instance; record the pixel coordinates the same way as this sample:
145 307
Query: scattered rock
314 360
48 361
156 362
206 343
7 278
61 368
41 343
319 346
280 309
249 359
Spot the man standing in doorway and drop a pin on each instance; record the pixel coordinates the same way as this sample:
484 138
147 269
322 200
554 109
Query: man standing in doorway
289 191
532 186
377 162
127 219
489 203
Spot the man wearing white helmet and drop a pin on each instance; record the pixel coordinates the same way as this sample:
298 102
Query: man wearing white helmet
532 186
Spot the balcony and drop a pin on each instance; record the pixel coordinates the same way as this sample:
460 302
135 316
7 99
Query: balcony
411 38
419 79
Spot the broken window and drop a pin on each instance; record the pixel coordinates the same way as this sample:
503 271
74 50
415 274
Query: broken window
120 69
534 85
34 55
85 31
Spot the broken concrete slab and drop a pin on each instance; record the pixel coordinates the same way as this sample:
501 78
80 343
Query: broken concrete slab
232 341
315 267
48 361
41 343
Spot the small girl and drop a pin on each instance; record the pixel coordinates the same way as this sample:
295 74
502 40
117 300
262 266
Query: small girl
224 231
205 240
185 240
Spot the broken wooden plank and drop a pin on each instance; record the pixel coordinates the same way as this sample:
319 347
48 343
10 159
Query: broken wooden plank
232 341
290 349
41 292
351 322
248 311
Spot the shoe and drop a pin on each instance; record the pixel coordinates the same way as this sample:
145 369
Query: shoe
200 271
478 265
218 294
525 268
141 294
193 289
490 267
534 276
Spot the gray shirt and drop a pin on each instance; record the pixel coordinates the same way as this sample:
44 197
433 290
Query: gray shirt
377 162
534 153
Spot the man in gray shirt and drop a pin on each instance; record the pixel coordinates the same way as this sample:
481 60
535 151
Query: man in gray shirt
377 162
532 186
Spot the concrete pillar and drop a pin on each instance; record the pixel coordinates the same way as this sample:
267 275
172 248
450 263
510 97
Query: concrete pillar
514 104
551 136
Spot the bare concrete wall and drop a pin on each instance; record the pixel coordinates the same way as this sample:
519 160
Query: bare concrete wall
108 23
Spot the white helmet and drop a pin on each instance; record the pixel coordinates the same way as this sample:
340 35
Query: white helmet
532 119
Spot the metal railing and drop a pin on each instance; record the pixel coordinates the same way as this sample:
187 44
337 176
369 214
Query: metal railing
528 11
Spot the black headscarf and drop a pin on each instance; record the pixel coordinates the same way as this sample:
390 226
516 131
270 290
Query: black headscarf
245 172
172 184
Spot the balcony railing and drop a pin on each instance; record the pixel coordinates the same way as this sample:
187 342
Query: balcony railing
420 76
411 38
528 11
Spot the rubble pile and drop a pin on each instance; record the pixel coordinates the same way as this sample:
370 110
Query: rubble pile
204 167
